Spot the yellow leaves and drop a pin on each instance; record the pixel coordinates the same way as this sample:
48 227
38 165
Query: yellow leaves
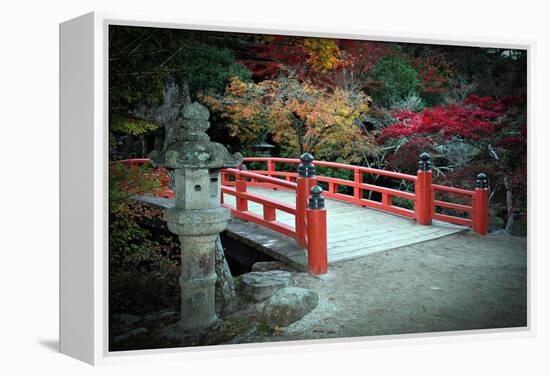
212 102
236 87
311 89
323 53
267 85
298 116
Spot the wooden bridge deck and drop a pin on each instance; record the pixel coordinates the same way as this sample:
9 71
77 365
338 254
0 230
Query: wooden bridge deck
352 231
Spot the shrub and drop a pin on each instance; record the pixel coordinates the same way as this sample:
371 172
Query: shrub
142 267
397 79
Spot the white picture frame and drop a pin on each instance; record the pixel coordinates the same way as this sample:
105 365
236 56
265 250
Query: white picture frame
84 187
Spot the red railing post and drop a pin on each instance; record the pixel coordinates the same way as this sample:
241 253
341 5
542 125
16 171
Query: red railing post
358 180
305 181
423 191
270 213
386 200
481 205
240 186
270 167
317 258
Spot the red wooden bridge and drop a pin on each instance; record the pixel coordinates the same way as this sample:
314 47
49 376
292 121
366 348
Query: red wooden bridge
357 218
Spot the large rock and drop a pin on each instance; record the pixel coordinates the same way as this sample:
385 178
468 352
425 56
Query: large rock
288 305
270 266
260 285
225 286
305 280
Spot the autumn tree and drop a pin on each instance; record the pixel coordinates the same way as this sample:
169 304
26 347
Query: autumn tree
328 63
479 134
299 116
301 57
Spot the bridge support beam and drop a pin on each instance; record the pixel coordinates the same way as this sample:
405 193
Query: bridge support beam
423 191
481 205
317 258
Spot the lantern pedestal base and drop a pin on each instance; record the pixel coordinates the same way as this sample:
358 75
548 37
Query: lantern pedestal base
187 337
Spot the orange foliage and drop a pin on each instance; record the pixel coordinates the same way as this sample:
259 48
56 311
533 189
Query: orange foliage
299 116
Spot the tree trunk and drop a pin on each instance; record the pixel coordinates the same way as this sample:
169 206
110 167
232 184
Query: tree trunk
509 205
300 139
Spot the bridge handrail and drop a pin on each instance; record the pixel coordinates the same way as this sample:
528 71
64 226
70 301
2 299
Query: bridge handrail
260 177
452 190
337 165
357 184
424 197
269 218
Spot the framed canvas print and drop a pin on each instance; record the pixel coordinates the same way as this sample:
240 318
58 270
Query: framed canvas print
224 186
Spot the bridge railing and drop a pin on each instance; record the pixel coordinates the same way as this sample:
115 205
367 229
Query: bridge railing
309 231
357 185
426 204
238 189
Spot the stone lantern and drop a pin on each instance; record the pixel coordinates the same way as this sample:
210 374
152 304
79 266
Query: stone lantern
261 147
197 217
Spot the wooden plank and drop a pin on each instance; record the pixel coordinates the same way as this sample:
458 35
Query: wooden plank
381 245
366 242
356 233
352 254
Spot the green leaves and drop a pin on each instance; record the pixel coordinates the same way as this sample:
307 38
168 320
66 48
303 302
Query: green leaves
140 59
397 80
130 126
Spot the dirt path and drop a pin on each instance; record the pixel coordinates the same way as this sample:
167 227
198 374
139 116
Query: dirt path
458 282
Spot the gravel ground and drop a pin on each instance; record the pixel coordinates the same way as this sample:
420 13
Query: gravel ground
459 282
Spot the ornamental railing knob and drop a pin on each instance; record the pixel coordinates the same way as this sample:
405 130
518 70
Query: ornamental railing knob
424 164
482 181
316 201
306 169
